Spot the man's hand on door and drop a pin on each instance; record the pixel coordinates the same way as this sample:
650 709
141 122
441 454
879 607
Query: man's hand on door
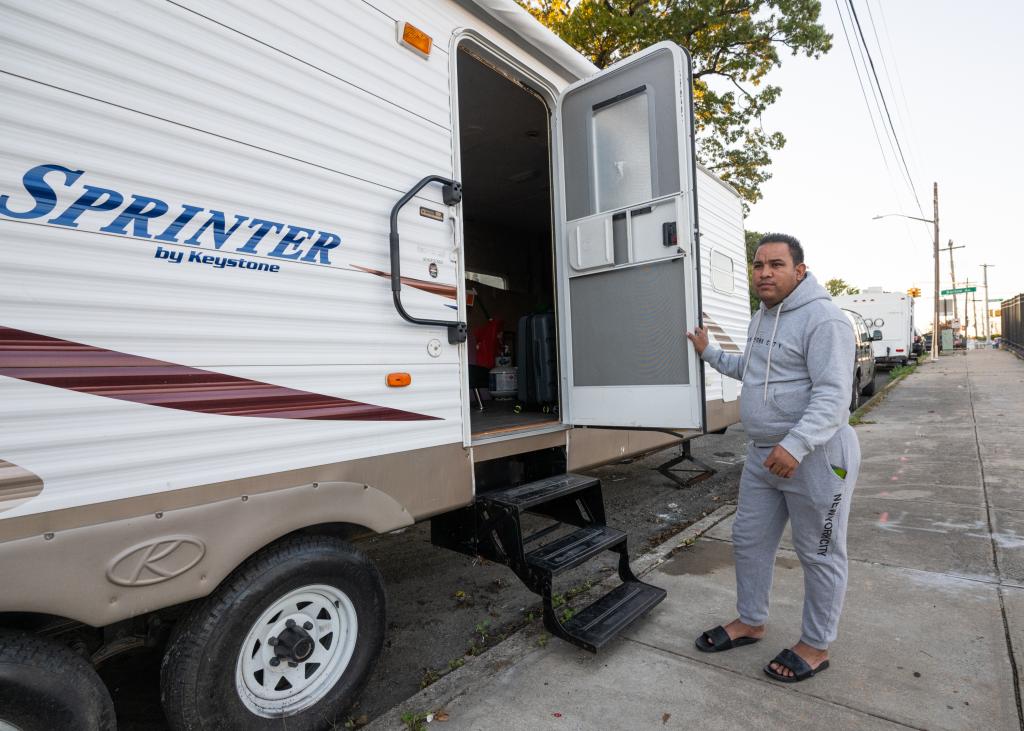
699 338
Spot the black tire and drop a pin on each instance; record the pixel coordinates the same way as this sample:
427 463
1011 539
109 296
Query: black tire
855 397
45 685
868 390
198 675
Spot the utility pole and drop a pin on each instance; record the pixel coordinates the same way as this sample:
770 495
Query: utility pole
952 275
967 322
934 220
988 334
935 315
974 308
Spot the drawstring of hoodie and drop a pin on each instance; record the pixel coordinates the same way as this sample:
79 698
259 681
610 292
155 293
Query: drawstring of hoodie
771 341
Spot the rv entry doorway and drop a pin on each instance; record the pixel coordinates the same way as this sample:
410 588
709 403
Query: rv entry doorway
504 140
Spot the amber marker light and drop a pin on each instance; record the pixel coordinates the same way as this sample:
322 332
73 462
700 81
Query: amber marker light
414 39
399 380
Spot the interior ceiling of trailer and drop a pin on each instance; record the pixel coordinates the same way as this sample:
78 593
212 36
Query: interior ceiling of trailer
504 135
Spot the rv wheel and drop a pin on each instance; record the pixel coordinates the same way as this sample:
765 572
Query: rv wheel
292 634
45 685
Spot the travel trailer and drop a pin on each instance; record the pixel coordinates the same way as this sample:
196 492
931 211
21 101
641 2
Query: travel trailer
254 259
890 312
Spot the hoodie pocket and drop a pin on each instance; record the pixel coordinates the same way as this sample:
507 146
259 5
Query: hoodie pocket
791 400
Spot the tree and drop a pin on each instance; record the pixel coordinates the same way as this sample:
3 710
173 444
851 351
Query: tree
733 43
838 287
752 238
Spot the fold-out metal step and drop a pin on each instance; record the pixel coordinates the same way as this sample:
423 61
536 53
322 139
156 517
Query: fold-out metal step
574 549
532 494
493 528
592 627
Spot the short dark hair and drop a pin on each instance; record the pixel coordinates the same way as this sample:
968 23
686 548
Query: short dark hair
795 249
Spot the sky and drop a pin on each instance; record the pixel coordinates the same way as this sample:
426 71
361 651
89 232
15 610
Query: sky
958 112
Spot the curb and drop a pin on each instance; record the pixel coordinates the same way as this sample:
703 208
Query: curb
477 669
872 402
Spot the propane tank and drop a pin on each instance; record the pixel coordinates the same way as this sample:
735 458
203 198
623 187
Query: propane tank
503 379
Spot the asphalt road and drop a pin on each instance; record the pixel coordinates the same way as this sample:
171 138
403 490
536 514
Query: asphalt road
443 605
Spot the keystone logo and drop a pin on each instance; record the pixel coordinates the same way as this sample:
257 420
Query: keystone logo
156 561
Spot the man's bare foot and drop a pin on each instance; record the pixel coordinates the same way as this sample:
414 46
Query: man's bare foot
736 629
810 655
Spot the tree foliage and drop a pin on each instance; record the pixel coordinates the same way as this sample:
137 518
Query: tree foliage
752 238
733 43
838 287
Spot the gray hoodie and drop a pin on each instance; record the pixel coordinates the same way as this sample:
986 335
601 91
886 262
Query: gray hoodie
797 371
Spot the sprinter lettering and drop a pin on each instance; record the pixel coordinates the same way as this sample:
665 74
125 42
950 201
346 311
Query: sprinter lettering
56 193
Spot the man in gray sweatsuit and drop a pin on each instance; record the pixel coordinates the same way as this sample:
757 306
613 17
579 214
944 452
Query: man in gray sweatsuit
803 457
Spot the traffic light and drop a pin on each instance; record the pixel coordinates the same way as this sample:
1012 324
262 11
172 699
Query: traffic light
914 291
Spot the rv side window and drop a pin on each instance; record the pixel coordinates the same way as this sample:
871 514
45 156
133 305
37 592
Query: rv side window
722 272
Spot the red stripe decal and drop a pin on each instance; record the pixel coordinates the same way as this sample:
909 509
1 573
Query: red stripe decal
445 290
87 369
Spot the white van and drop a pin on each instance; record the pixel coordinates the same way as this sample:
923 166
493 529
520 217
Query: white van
238 241
891 313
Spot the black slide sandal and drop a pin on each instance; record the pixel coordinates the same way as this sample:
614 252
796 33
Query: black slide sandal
796 665
717 640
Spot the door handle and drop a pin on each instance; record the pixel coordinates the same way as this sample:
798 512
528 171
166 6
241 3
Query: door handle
451 193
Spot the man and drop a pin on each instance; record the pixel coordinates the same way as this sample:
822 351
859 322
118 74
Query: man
803 457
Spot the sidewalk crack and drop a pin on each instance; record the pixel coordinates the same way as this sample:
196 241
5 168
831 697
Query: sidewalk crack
784 689
995 555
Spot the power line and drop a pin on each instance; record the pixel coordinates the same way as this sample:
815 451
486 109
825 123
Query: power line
885 105
864 95
871 116
899 82
900 115
878 108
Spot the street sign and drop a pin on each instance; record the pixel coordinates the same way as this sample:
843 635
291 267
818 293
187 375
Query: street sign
995 299
959 290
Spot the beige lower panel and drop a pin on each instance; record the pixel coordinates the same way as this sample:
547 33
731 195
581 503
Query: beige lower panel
590 447
104 573
723 413
520 445
594 447
423 482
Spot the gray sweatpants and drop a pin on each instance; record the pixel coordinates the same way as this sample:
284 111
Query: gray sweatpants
817 503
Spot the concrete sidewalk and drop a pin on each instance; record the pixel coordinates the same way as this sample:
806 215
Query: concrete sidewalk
933 631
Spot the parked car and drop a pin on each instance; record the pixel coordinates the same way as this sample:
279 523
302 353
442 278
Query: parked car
864 359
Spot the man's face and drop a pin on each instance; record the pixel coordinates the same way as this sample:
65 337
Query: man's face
775 275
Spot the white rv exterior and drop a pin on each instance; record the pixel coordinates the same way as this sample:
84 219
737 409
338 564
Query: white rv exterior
197 327
890 312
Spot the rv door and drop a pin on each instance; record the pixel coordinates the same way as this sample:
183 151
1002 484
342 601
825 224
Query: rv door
627 254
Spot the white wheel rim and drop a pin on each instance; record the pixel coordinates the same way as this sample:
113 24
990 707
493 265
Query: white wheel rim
328 618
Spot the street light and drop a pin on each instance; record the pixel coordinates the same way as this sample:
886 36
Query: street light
934 220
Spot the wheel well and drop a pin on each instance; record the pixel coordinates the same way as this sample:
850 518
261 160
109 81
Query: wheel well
344 531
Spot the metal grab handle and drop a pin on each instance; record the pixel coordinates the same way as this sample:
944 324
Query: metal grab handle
452 194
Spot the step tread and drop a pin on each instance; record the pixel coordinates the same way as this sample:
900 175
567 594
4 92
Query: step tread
531 494
575 548
598 623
